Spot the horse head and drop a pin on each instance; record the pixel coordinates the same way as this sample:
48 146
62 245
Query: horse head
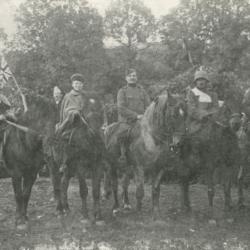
230 113
41 114
166 118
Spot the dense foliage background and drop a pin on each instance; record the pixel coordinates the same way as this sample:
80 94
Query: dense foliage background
55 39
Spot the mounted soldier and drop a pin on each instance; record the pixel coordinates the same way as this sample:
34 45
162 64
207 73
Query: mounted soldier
5 114
72 110
202 106
132 101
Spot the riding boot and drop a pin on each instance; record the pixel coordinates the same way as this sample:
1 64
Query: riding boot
1 155
123 157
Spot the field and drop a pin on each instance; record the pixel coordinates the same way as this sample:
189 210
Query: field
128 230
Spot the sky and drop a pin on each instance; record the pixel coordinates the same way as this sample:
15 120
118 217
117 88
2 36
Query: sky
8 7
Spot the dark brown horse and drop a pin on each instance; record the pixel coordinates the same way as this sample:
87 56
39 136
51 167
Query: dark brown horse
152 145
218 151
23 152
84 148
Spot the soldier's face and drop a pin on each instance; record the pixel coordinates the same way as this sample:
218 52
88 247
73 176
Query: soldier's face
57 97
77 85
202 84
131 78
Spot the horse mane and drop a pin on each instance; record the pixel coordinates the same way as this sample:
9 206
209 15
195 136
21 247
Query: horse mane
153 121
154 115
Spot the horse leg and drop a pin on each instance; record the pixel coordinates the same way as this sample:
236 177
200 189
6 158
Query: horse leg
17 186
96 188
210 190
185 201
156 183
240 188
64 190
125 185
114 183
139 179
83 188
28 182
107 185
227 188
56 179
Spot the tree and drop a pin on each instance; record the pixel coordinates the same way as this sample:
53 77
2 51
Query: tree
214 32
56 39
129 23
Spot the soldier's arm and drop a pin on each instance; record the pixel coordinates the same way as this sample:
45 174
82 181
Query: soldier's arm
122 106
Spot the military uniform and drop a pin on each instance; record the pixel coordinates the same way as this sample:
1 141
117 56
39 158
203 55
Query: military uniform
200 106
72 103
131 101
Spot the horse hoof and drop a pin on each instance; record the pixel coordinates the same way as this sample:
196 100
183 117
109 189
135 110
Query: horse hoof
116 211
127 207
22 227
212 222
230 220
85 222
159 222
100 223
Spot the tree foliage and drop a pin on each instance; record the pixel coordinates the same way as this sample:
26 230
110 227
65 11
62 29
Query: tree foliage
56 39
129 22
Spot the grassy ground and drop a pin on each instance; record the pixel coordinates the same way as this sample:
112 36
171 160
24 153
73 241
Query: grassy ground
128 230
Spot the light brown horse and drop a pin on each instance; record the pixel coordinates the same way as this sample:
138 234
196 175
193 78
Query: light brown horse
152 143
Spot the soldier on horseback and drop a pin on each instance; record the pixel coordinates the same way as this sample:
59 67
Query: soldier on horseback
72 109
202 103
132 101
5 107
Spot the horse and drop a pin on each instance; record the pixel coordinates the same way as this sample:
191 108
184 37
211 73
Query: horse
84 148
220 150
152 143
23 152
243 135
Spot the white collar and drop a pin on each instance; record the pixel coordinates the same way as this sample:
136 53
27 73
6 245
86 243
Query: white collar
203 97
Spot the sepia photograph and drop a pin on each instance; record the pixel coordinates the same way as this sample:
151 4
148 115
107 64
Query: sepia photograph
125 124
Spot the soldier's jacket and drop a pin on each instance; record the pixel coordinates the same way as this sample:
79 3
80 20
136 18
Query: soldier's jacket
200 105
72 101
131 101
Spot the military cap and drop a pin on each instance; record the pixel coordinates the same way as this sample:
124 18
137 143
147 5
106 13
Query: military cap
130 71
201 74
77 77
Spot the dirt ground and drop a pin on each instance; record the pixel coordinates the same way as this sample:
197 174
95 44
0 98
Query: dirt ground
128 230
